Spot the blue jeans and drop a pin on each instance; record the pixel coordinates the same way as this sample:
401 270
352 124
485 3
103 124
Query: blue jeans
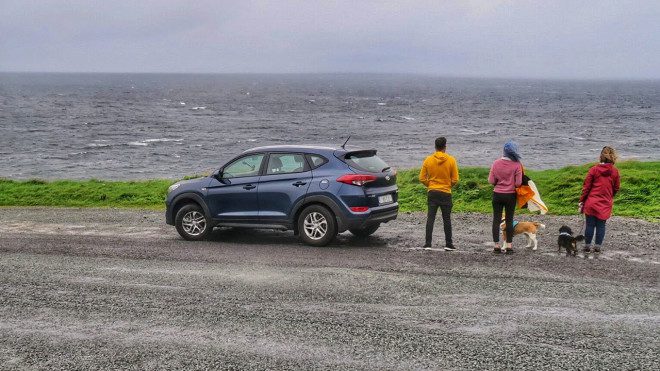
594 223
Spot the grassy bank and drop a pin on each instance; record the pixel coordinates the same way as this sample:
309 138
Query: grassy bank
559 188
84 193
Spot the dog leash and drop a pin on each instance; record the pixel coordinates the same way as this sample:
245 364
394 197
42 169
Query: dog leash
584 217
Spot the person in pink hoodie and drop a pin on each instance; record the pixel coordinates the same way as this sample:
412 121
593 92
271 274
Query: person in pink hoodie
600 186
505 174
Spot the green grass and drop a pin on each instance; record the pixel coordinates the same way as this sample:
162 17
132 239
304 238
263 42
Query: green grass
560 189
87 193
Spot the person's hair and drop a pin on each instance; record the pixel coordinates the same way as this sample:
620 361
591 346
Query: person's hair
608 154
510 151
440 143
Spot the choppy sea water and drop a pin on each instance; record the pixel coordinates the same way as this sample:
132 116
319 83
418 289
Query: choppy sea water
135 126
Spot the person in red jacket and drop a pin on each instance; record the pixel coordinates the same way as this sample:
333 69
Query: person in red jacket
600 187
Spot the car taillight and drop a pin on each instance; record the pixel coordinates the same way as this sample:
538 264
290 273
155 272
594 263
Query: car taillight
356 179
359 209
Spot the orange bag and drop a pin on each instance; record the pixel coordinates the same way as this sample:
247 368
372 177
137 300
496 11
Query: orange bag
524 193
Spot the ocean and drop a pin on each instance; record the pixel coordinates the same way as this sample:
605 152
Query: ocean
138 126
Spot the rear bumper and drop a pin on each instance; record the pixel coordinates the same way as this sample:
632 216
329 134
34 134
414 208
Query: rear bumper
375 217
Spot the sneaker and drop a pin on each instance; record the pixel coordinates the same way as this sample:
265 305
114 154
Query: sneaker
450 248
587 248
426 246
596 248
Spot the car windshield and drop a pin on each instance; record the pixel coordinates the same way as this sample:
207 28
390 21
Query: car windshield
366 161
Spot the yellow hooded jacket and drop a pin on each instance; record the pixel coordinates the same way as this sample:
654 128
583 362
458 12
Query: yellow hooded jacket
439 172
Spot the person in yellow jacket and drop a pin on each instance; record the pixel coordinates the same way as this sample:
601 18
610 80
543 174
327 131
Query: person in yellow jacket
439 173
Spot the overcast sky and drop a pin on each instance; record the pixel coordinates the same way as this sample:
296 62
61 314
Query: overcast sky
599 39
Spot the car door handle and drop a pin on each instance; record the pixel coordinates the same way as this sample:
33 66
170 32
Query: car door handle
299 183
249 186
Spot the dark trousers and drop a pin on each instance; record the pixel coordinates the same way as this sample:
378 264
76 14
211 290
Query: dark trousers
592 223
442 200
506 202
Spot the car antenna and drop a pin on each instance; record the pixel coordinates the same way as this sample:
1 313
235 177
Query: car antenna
343 146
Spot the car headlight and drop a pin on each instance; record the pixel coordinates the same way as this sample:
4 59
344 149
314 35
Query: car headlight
173 187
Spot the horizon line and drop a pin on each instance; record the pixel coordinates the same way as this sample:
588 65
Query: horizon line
425 74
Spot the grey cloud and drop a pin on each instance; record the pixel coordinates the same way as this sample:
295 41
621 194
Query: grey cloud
565 39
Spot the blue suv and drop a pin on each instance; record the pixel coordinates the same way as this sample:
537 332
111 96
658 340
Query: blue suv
315 191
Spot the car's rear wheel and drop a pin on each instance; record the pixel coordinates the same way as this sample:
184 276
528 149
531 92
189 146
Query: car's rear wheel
317 225
191 223
366 231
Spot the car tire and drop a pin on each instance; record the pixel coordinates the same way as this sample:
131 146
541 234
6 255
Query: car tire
364 232
317 225
191 223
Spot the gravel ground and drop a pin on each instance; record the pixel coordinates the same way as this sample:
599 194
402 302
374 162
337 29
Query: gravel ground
103 288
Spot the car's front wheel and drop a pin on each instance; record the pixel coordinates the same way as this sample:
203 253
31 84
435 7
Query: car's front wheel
317 225
191 223
366 231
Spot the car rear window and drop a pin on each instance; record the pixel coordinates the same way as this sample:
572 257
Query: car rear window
365 161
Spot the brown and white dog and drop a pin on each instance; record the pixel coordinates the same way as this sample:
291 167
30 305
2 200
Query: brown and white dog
529 229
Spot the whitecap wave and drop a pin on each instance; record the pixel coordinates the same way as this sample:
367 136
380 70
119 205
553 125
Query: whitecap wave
156 140
146 142
97 145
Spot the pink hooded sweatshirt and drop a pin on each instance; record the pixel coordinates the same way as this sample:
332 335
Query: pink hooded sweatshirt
505 175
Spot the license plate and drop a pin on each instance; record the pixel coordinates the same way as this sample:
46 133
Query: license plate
385 199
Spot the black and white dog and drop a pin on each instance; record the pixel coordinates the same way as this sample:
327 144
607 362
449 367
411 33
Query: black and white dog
567 241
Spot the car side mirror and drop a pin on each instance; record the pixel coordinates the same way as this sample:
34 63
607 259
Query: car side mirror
218 175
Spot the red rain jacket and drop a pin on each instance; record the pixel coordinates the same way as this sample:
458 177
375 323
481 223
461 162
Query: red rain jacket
598 191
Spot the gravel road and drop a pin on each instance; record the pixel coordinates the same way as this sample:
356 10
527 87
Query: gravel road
105 288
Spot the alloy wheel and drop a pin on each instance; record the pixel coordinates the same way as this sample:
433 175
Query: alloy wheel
194 223
315 225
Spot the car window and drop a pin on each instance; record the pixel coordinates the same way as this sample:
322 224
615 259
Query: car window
244 166
316 160
285 163
366 161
